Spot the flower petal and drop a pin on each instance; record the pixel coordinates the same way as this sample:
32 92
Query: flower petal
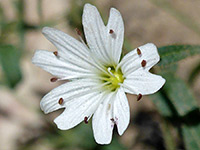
68 91
121 111
69 48
115 39
77 110
95 32
101 121
52 64
132 61
143 82
105 44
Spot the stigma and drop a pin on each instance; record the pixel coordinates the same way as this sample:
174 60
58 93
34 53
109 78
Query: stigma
114 78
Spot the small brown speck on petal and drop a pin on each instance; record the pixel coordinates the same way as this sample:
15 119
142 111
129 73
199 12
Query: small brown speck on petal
53 79
139 51
86 120
55 53
111 31
139 97
60 101
143 63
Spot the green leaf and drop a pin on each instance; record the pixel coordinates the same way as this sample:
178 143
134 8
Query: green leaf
195 72
75 13
168 133
79 137
9 59
191 136
160 99
127 47
179 94
162 103
115 145
174 53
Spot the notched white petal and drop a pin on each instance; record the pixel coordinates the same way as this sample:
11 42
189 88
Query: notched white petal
69 48
105 41
143 82
121 111
68 92
76 110
95 33
132 61
57 67
101 121
66 44
115 28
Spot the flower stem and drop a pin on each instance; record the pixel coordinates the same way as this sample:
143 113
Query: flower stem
167 135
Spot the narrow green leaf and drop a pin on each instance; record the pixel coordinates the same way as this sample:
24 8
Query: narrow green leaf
195 72
161 99
179 94
127 47
168 135
191 136
162 103
9 59
174 53
115 145
75 13
72 138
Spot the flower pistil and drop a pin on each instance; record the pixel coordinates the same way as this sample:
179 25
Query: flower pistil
114 78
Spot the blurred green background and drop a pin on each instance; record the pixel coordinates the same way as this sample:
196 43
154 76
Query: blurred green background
167 120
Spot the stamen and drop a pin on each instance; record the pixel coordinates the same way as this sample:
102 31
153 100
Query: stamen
139 97
53 79
55 53
111 31
111 87
120 84
109 70
60 101
139 51
143 63
86 120
80 37
112 119
78 31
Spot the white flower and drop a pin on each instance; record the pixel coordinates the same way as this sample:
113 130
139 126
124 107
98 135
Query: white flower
98 77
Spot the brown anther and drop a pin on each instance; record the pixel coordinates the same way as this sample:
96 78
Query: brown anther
86 120
143 63
111 31
78 31
55 53
112 119
53 79
139 97
139 51
60 101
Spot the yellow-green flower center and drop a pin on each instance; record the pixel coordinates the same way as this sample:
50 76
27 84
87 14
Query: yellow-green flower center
114 78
